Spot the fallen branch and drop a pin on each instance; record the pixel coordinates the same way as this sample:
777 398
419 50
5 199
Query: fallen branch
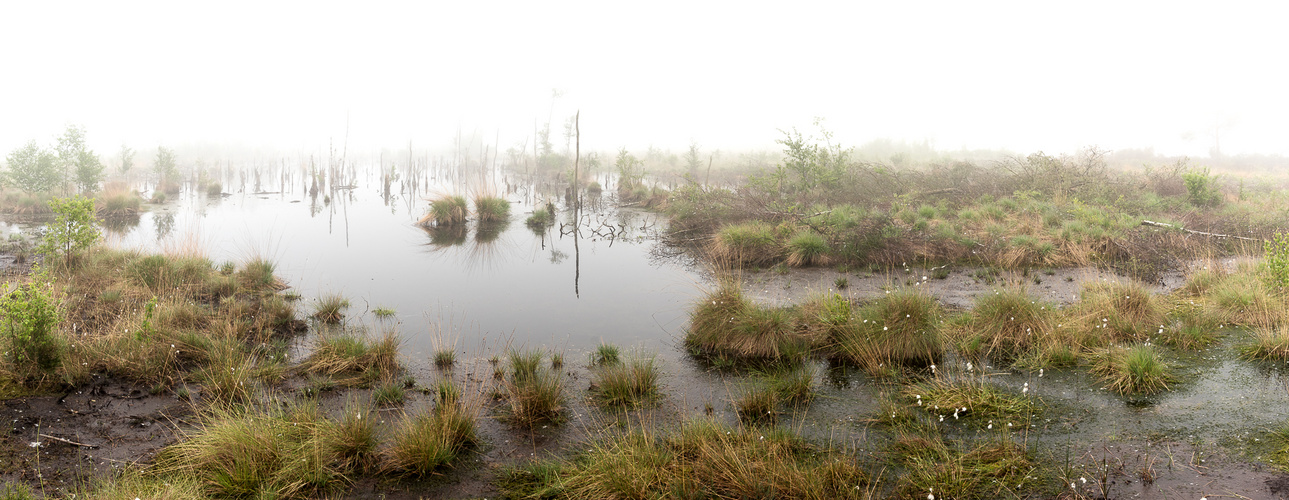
1190 231
61 440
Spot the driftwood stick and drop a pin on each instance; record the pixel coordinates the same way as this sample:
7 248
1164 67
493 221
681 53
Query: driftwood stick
1201 233
61 440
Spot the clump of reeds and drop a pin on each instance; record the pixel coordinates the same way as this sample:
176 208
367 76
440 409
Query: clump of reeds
1245 299
329 308
757 405
389 392
1110 311
993 469
425 443
214 189
973 399
807 248
750 243
1008 324
725 323
446 211
702 459
1132 370
118 203
1267 344
535 394
899 328
541 217
257 274
605 354
795 385
351 359
249 452
444 358
491 209
634 383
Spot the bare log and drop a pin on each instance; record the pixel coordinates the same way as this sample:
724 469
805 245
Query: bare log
1191 231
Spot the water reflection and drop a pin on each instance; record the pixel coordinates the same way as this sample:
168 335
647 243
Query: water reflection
118 225
163 223
446 236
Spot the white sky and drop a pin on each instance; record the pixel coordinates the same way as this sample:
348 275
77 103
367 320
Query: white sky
1024 76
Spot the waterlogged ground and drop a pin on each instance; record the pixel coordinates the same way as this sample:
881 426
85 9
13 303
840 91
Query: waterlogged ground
481 291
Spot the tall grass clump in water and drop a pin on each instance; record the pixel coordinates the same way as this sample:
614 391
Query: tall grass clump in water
1267 344
118 203
1245 299
749 243
542 216
329 308
446 211
1132 370
702 459
491 209
605 354
1009 324
899 328
807 248
633 383
425 443
250 453
257 274
1110 312
351 359
726 324
214 189
535 394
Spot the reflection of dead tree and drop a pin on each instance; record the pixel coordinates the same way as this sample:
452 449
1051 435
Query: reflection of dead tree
603 227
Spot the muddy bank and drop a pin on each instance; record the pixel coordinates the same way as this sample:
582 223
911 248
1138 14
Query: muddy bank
54 443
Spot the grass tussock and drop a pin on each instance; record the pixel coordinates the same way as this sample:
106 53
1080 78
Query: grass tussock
446 211
1009 324
808 248
491 209
605 354
991 469
1136 370
330 307
725 323
1109 312
746 244
1245 299
353 359
975 400
425 443
542 217
700 460
534 393
117 203
1266 344
248 452
900 328
630 384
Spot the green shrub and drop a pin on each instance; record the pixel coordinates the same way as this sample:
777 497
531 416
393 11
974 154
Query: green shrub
29 316
74 228
1276 256
1201 188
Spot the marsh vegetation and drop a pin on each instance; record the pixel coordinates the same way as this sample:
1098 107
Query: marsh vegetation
617 343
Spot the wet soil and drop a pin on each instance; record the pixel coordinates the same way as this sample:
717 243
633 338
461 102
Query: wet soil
54 442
